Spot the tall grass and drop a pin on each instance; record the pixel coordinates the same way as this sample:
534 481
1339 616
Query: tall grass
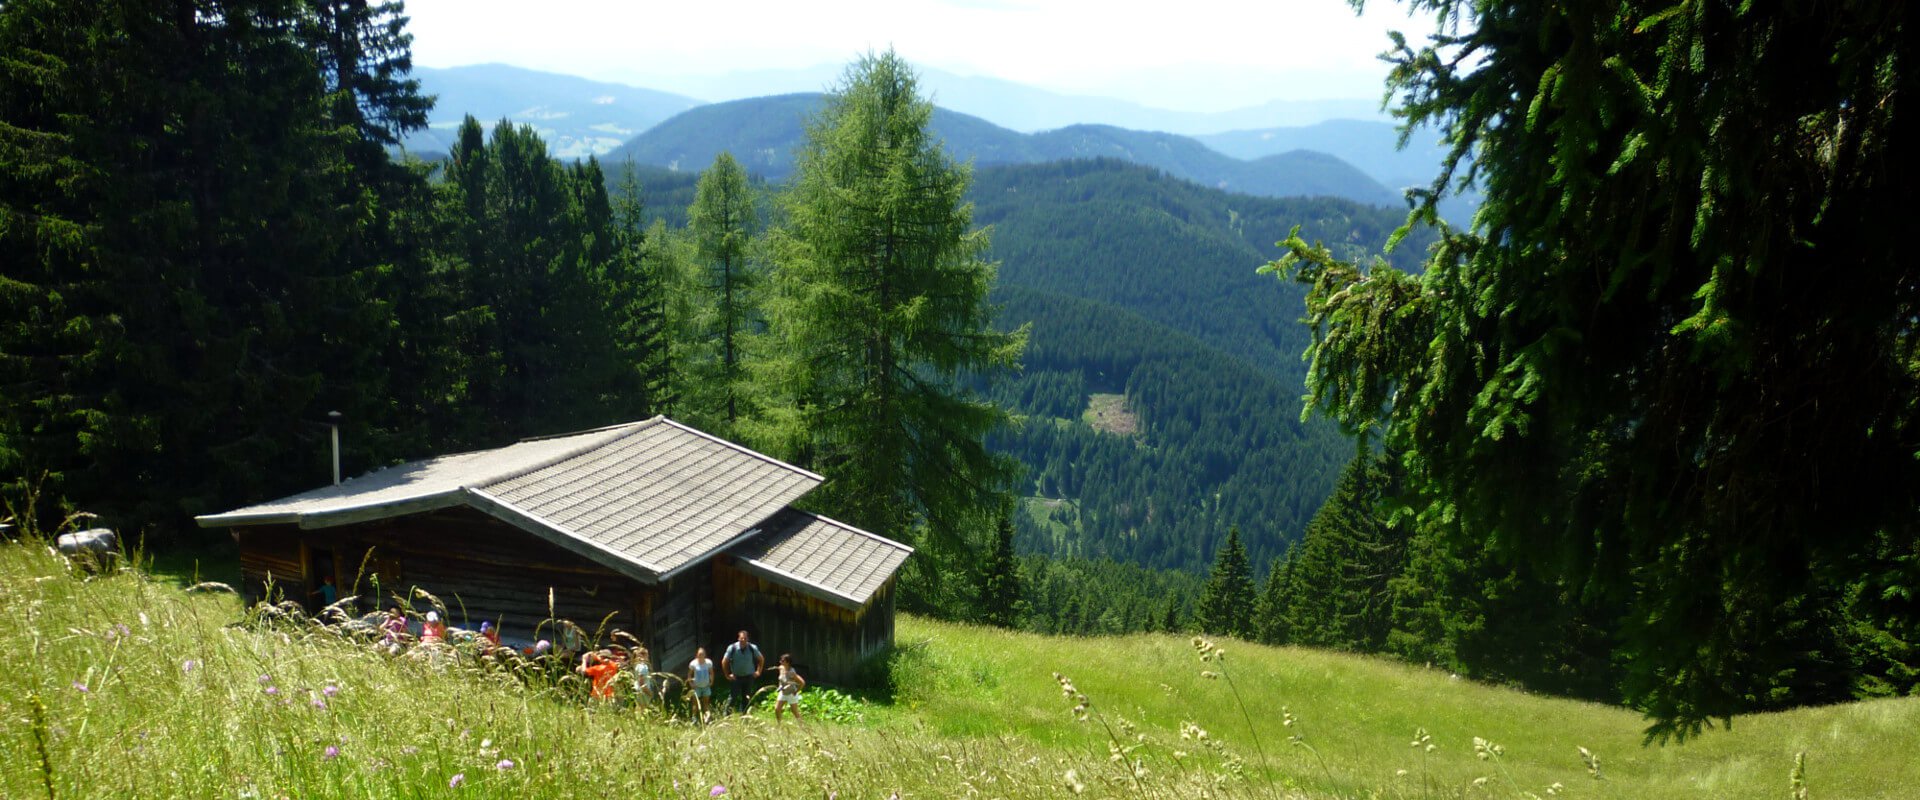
124 686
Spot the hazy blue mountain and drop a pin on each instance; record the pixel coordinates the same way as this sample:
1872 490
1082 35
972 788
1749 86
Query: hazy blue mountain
1369 145
577 117
1026 108
763 132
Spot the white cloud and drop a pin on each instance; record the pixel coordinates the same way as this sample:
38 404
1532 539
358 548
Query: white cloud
1113 47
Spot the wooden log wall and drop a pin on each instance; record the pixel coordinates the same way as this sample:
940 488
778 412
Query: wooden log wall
271 553
680 621
828 642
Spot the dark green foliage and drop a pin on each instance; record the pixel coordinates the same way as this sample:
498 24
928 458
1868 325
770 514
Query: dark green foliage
551 342
1000 600
1129 260
1207 455
1102 597
1334 587
1227 602
205 288
1673 365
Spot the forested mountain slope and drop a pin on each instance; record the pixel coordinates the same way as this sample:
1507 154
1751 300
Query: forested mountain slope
1143 286
1215 441
762 133
1173 252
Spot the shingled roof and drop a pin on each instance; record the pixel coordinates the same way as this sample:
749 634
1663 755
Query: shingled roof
822 557
646 498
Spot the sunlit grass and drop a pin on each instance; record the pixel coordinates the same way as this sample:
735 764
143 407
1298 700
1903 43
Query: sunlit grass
132 687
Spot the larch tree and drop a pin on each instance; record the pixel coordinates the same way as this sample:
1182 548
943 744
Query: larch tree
722 221
1674 361
879 308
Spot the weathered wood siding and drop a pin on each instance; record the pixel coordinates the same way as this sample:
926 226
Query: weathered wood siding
271 553
828 642
481 568
680 620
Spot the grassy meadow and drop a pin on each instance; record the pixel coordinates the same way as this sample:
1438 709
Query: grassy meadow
127 686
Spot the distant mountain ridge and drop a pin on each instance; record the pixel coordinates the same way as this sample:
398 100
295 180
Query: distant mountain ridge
764 132
1026 108
577 117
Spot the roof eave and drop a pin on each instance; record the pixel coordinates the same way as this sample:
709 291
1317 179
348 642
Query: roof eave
803 585
506 512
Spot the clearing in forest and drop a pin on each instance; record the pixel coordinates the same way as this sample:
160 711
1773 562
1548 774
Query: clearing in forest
1108 413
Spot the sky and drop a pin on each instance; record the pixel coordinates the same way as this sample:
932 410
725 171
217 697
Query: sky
1187 55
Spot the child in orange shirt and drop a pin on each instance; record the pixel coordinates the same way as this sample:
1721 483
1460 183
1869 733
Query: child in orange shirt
600 668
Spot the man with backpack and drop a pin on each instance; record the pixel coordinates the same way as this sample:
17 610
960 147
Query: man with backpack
742 663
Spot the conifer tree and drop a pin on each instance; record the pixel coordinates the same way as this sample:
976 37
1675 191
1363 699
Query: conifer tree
1001 602
722 222
880 306
1270 620
1685 307
1226 604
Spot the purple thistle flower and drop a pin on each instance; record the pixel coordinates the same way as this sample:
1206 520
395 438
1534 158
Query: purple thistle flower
272 691
189 665
124 630
319 703
504 765
265 678
331 690
80 686
717 791
332 752
457 779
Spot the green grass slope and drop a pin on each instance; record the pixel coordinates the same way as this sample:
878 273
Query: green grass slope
127 687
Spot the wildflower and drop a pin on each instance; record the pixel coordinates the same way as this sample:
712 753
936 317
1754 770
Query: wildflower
123 629
319 703
189 665
265 679
457 779
331 753
717 791
80 686
504 765
272 691
331 690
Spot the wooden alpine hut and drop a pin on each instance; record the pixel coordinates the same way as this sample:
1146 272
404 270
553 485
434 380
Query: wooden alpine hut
675 536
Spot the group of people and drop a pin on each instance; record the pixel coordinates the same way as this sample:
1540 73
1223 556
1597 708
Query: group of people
742 664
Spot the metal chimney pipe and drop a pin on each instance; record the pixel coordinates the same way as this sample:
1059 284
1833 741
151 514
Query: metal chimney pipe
333 421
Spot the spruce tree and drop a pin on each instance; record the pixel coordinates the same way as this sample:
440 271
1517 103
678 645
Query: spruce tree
1226 604
1270 620
1684 309
880 307
1001 602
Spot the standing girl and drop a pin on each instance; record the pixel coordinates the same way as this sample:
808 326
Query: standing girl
790 685
700 677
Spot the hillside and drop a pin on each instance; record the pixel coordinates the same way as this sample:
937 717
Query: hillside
1177 253
1216 441
577 117
126 686
763 133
